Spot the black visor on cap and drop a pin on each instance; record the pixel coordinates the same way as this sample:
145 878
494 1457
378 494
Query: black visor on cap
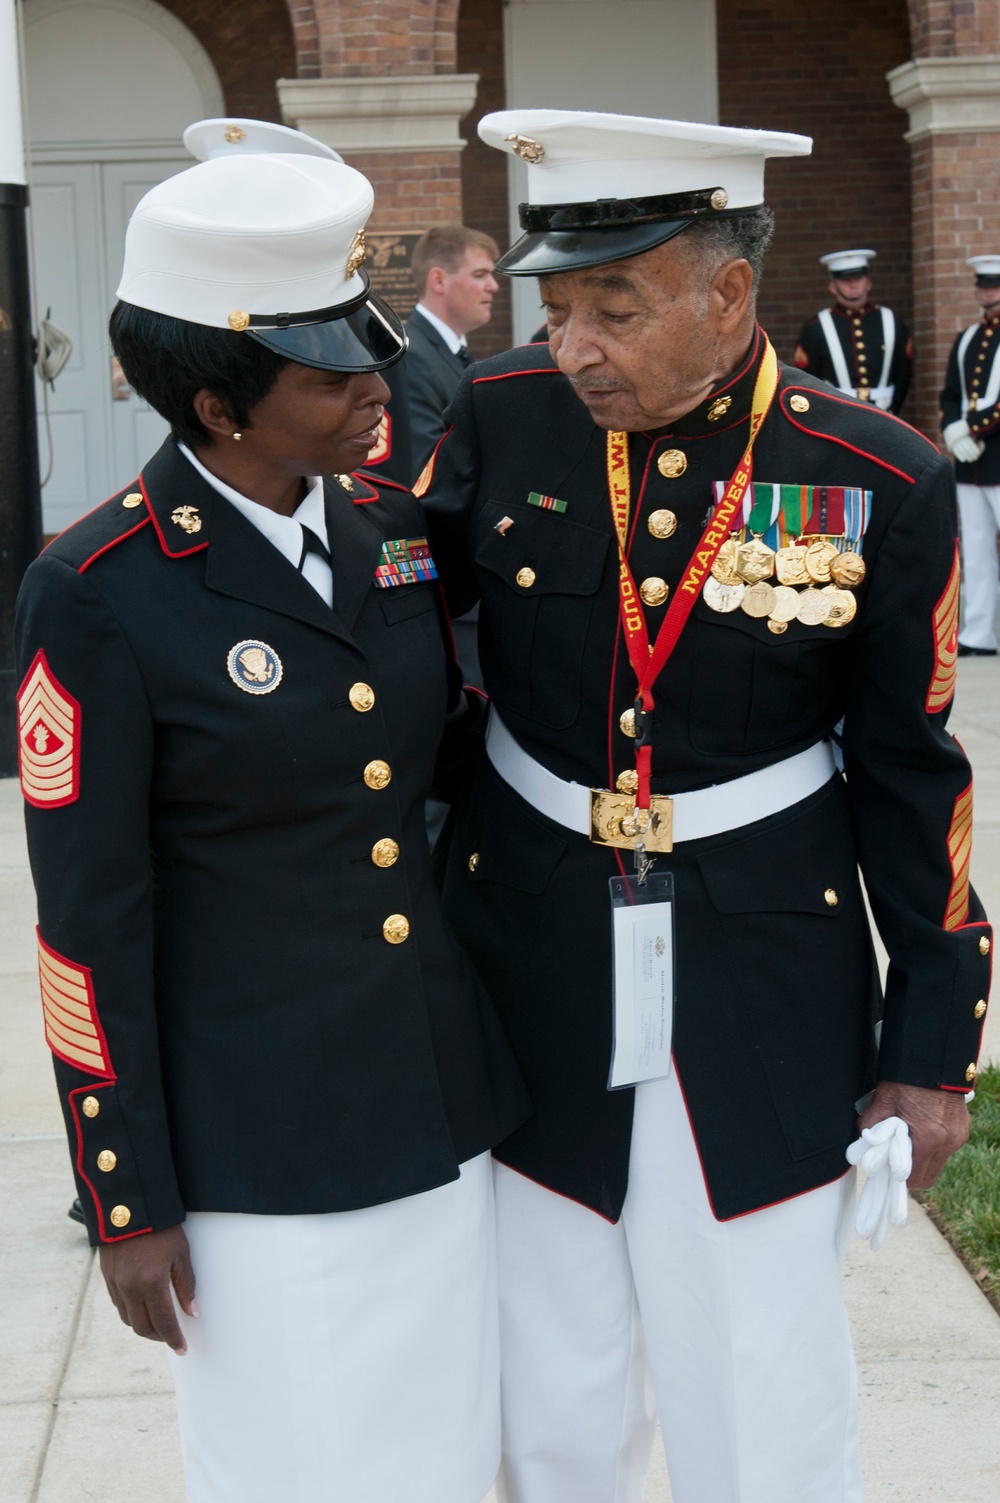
367 336
849 273
545 254
987 279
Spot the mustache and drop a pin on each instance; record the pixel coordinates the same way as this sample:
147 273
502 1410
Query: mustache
583 384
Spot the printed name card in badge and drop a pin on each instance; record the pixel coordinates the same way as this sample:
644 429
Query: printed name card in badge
642 916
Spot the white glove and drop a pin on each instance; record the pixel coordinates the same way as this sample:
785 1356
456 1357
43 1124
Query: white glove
885 1155
965 448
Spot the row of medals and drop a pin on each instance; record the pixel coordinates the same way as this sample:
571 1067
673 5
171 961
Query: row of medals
814 582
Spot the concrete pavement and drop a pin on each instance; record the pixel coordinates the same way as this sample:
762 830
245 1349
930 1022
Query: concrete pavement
85 1407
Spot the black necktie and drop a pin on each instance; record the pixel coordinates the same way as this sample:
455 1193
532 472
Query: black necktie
464 354
312 544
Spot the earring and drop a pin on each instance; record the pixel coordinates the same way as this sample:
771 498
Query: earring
237 437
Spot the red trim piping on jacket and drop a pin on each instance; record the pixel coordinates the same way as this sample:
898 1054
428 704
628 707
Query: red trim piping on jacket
185 552
113 544
92 1090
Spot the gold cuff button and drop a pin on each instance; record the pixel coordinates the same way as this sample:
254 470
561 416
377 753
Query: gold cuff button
362 697
385 852
396 928
378 774
132 500
90 1106
979 1010
984 946
672 463
627 781
654 590
106 1160
970 1073
121 1216
830 897
798 404
525 578
662 524
473 861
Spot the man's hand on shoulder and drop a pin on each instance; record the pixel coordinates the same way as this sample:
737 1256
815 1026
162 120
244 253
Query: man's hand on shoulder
938 1123
139 1273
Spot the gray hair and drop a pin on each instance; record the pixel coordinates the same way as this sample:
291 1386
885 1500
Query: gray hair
743 237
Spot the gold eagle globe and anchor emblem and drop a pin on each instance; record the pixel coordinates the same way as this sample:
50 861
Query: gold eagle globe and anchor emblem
254 667
186 518
356 255
524 147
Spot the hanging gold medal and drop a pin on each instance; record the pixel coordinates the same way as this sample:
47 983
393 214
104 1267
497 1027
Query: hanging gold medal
754 560
814 607
786 604
790 565
724 597
843 606
758 600
819 557
724 567
847 570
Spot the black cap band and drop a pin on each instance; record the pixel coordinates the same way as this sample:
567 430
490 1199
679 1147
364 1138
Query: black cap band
987 279
312 315
618 213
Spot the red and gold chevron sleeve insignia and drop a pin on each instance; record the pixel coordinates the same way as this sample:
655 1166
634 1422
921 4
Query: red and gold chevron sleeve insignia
48 739
72 1028
422 483
959 854
800 358
942 685
383 443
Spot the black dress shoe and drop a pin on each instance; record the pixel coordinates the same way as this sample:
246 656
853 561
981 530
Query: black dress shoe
75 1213
976 652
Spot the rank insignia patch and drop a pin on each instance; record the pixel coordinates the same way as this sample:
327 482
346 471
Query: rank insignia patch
547 503
48 739
405 561
72 1028
254 667
942 685
959 856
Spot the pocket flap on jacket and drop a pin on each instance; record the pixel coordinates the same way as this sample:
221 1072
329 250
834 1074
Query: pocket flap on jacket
563 557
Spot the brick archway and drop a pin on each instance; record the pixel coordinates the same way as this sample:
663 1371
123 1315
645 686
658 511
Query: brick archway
251 43
374 38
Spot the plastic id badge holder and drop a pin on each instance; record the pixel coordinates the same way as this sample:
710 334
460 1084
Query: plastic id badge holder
642 918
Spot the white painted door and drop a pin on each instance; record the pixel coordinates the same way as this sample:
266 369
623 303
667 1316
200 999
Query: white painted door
80 210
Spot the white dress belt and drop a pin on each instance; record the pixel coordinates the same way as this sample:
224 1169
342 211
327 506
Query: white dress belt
708 811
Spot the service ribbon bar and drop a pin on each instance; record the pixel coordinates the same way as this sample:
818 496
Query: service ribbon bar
405 561
547 503
780 514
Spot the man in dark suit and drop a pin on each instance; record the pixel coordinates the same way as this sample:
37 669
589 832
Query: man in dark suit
453 270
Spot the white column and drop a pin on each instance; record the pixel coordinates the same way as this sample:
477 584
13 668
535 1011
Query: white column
948 95
397 114
11 135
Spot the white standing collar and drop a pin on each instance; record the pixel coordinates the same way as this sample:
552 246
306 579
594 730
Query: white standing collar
284 532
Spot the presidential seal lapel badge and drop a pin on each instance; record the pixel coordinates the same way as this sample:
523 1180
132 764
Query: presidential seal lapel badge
254 667
186 518
405 561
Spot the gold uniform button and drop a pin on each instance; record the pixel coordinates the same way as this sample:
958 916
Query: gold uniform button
106 1160
396 928
626 722
90 1106
830 897
378 774
979 1011
799 404
970 1073
525 578
662 524
654 590
473 861
984 946
132 500
385 852
672 463
121 1216
627 781
238 320
362 697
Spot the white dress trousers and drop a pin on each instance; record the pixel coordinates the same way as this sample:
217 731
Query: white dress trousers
735 1332
979 513
345 1358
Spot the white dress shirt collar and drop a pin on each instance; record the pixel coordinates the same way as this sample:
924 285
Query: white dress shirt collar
285 533
455 342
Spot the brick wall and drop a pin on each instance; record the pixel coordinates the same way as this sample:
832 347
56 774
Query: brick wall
821 71
954 28
484 170
384 38
250 43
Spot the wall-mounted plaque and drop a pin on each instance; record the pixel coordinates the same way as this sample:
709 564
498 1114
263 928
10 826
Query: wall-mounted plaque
388 265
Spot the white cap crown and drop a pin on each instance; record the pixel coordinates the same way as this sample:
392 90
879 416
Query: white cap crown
839 262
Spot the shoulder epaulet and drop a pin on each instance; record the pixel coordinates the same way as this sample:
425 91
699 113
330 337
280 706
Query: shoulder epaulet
380 480
818 409
120 517
523 360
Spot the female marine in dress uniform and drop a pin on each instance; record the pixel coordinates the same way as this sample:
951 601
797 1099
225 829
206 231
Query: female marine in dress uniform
279 1075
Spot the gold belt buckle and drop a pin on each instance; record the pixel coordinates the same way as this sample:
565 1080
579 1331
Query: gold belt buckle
615 820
